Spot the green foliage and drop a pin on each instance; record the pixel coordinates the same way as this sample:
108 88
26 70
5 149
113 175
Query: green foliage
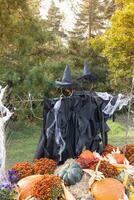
43 77
7 192
33 54
83 50
116 46
28 55
97 45
91 18
54 20
119 46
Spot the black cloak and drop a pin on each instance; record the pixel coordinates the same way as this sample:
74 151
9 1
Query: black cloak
78 123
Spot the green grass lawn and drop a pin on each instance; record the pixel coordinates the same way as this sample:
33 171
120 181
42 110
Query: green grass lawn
117 134
23 141
22 144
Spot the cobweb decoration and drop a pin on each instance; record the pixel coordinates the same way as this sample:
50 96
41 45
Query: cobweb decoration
5 115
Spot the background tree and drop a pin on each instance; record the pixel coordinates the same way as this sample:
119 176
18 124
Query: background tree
89 23
22 39
54 20
33 54
89 19
119 45
34 6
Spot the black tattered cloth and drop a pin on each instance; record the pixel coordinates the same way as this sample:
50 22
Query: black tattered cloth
73 123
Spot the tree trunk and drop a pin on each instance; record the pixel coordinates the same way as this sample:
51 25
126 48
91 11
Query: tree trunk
90 19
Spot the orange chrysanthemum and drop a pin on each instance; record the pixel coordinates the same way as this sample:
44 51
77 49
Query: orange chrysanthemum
23 169
109 148
48 188
44 166
128 150
107 169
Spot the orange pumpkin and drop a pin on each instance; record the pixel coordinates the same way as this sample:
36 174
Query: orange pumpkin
88 155
108 189
25 185
120 158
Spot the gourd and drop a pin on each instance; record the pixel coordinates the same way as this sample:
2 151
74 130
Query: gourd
25 185
70 173
120 158
86 159
88 155
108 189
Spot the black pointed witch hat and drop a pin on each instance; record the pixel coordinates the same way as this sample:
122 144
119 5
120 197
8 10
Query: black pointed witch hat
87 75
66 79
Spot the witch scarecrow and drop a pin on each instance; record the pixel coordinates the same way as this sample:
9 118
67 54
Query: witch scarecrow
87 75
76 121
66 84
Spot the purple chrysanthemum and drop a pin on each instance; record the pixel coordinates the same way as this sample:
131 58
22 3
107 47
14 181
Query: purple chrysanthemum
12 176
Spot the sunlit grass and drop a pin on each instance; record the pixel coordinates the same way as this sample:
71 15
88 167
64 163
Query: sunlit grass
117 134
